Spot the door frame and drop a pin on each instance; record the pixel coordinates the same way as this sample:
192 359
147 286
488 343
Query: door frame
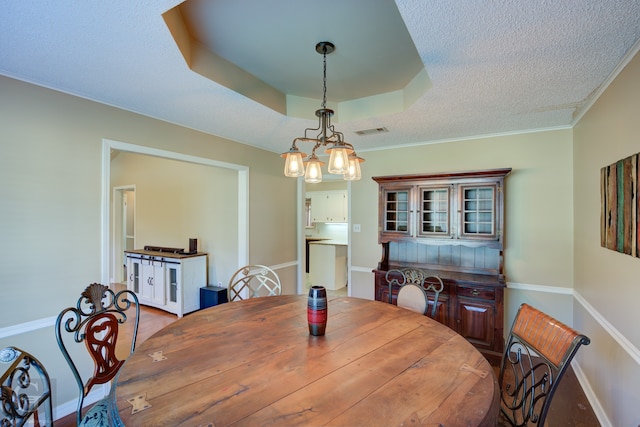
301 250
243 196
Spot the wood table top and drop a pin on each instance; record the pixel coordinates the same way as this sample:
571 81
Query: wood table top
254 363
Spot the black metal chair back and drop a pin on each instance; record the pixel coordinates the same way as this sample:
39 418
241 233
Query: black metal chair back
95 321
26 390
415 286
539 350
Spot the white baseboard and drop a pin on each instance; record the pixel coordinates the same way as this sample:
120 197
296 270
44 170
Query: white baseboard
71 406
591 396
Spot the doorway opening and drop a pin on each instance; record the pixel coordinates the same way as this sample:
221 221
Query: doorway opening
109 238
326 238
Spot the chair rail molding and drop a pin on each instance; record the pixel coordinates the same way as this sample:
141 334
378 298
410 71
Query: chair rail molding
622 341
540 288
283 265
26 327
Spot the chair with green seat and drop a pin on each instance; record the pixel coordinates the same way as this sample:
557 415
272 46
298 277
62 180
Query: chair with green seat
26 390
95 322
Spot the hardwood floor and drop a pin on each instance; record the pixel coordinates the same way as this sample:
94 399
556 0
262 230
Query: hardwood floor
570 406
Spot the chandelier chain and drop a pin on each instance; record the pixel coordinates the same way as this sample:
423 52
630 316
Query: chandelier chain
324 79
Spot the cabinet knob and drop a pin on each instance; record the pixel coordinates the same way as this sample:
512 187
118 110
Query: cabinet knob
475 292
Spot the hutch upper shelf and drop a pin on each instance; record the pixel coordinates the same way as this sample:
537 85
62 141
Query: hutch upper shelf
443 208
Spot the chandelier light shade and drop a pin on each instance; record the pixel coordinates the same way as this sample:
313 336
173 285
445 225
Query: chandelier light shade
354 173
343 159
338 159
314 170
293 165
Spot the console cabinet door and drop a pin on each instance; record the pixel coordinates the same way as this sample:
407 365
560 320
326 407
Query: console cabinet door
152 285
173 283
134 270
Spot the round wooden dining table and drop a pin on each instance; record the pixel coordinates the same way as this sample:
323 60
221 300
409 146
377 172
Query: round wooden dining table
254 363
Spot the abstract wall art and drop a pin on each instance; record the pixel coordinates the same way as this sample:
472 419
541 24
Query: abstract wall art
619 229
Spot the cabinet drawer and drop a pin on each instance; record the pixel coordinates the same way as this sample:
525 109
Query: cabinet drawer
476 292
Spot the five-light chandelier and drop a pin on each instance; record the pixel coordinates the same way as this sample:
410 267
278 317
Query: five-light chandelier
343 159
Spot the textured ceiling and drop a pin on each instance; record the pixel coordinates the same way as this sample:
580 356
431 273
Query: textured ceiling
495 67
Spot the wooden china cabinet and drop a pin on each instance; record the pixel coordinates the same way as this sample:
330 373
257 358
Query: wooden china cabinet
450 225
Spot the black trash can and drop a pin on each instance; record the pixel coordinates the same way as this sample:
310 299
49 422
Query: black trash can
212 295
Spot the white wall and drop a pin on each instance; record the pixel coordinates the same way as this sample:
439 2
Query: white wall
538 205
607 282
177 200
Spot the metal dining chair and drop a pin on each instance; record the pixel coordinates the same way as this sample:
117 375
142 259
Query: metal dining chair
415 286
26 390
253 281
539 350
95 322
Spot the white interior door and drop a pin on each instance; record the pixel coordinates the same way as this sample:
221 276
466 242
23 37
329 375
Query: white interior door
124 226
129 219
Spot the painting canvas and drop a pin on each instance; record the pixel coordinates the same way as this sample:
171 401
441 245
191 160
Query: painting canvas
619 229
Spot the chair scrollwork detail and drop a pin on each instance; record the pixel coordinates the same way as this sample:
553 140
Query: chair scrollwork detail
427 283
95 321
25 390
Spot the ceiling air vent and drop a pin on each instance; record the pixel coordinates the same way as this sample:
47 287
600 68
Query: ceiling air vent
371 131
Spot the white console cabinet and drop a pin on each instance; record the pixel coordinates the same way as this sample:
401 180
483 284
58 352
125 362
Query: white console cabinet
167 281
